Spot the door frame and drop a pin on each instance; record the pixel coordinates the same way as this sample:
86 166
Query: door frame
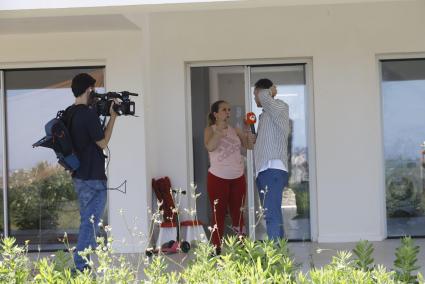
383 189
8 66
311 137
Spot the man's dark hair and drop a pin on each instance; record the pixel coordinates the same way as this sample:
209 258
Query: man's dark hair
263 84
81 82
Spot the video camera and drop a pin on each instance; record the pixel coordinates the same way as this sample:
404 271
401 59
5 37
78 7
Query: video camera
102 103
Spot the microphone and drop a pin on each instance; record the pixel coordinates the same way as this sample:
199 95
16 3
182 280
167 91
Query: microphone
251 119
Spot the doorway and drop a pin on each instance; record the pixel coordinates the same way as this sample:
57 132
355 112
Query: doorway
235 84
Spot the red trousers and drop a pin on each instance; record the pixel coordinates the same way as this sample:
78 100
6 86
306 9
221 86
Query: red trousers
226 194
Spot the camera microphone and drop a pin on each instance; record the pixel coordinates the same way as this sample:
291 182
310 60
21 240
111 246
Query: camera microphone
127 93
102 103
251 119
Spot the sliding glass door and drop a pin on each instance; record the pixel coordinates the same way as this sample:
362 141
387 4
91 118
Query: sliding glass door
210 84
291 86
235 85
403 106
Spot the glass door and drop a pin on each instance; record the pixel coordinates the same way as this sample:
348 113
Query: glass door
403 108
234 84
291 86
42 204
210 84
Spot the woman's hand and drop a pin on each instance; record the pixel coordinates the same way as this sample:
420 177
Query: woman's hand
212 137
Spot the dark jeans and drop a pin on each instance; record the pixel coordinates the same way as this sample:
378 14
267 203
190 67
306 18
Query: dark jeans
270 184
92 200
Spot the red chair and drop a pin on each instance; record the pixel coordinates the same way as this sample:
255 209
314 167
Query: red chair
169 230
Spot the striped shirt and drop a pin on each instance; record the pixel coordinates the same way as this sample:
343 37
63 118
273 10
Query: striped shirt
273 131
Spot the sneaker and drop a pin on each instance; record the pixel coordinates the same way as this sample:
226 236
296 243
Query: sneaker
74 272
216 252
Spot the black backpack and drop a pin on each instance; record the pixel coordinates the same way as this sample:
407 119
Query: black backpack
59 139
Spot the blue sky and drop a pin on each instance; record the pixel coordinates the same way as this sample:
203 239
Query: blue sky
403 118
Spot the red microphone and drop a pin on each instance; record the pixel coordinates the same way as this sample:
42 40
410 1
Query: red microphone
251 119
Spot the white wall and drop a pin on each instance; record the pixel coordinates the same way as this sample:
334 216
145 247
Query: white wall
121 53
343 41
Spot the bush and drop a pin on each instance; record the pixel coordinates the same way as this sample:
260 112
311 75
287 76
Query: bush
405 262
37 195
363 251
15 266
302 198
242 261
404 197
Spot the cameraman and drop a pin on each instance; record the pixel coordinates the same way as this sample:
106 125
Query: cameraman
89 140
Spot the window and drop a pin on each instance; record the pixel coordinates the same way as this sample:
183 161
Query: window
42 204
403 100
234 84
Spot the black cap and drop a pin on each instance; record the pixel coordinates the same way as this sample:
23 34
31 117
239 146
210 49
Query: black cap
81 82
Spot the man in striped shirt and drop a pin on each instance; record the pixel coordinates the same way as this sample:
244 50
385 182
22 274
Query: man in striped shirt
271 154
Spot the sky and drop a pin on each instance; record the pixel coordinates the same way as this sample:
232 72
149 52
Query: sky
27 113
403 118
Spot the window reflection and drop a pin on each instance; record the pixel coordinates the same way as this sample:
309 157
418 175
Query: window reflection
291 88
41 199
403 98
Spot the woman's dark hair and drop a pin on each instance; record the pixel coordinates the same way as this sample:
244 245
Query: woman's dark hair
263 84
214 108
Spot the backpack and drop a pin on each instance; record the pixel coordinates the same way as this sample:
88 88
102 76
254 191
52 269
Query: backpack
59 139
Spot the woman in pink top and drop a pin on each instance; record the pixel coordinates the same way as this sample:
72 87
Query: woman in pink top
226 180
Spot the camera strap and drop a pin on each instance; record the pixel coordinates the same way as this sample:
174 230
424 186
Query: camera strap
124 191
69 113
118 188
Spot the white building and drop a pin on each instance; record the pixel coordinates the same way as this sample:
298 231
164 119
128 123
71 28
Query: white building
359 113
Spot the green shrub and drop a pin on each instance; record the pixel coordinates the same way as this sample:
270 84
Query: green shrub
349 274
302 199
406 259
36 196
14 264
242 261
363 251
404 195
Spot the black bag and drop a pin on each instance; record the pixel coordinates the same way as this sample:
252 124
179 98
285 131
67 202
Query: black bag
58 138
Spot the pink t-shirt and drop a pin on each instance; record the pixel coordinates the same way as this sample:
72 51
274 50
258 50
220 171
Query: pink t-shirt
226 160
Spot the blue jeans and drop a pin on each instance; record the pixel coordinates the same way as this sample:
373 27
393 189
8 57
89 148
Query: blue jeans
271 199
92 201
